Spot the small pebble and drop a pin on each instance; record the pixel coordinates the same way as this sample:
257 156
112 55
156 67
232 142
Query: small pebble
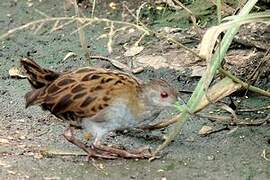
22 137
210 158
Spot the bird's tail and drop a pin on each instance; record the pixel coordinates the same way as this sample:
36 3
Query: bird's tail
36 75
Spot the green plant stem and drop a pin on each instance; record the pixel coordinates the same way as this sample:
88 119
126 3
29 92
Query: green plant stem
207 77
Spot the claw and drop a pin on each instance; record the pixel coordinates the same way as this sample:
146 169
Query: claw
91 151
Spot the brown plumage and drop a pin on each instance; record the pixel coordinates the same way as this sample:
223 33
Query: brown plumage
76 94
99 100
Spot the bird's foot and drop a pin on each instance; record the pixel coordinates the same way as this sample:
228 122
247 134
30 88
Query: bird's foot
98 150
92 152
141 153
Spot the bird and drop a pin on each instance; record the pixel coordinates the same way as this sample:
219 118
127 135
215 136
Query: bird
99 101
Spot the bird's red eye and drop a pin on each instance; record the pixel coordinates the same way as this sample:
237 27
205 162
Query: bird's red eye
164 94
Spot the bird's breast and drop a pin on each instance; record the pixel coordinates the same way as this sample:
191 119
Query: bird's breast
121 115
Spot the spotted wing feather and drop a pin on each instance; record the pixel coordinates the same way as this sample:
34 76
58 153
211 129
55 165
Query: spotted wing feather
81 93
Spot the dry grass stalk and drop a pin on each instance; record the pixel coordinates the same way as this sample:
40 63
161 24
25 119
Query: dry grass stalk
70 20
81 31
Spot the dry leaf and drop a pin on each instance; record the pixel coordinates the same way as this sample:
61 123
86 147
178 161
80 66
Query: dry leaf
137 70
211 36
22 137
205 130
197 71
152 61
15 72
221 89
134 50
119 65
38 156
113 5
68 55
11 172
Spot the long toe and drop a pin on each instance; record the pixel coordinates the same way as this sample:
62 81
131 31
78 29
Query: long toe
136 154
102 155
144 152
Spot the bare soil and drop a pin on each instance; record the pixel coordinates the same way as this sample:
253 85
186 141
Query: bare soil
235 153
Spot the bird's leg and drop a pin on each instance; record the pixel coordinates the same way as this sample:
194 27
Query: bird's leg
92 152
138 153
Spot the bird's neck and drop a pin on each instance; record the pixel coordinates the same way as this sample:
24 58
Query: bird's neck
146 111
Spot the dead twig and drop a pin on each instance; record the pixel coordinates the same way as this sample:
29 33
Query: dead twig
110 38
139 23
57 27
81 19
115 63
216 131
52 152
119 65
49 152
254 109
162 124
192 17
81 31
225 9
255 74
41 13
228 120
244 84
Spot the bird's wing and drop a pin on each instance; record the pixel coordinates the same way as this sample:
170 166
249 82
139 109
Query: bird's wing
83 93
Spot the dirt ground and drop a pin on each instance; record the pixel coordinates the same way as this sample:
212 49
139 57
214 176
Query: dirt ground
234 153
